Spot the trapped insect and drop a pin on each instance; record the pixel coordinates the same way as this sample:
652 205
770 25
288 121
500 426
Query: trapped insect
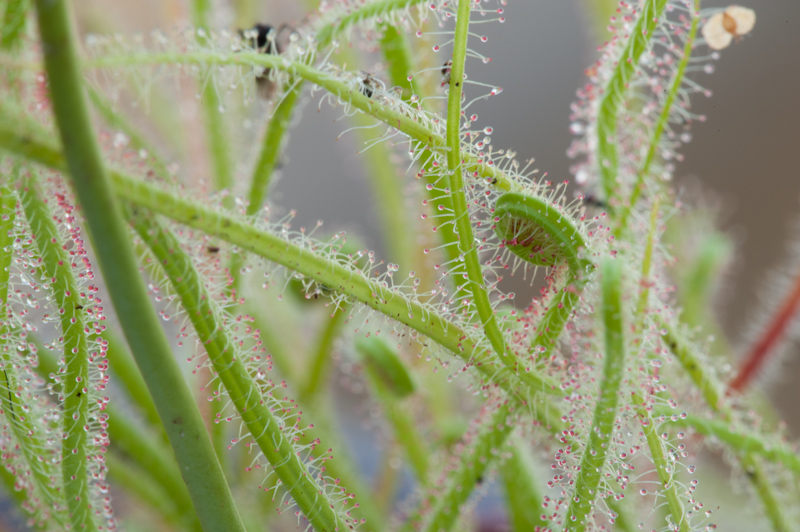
446 69
266 39
369 84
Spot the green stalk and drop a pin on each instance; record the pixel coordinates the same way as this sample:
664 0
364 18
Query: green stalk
27 433
406 434
271 147
336 276
319 362
399 59
522 494
13 24
56 265
698 279
471 463
740 440
441 504
150 456
327 33
245 393
333 275
210 494
466 239
614 92
391 381
710 388
647 262
712 391
137 140
663 120
217 136
125 371
664 469
605 414
401 120
654 442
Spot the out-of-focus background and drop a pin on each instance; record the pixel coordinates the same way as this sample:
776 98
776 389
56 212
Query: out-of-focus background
744 158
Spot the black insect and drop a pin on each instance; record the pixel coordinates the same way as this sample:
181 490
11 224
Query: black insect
263 38
593 201
78 307
266 39
446 69
212 249
368 85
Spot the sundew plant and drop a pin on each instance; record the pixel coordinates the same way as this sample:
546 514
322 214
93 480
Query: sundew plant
176 351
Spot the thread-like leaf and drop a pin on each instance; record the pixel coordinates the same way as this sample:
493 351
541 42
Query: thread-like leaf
614 93
384 363
76 455
247 397
211 495
605 414
19 406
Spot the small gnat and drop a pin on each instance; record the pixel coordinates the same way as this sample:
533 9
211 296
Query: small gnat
722 27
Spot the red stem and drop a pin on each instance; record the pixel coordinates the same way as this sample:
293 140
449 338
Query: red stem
758 356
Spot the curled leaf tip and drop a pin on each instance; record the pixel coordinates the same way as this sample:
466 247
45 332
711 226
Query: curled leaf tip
538 232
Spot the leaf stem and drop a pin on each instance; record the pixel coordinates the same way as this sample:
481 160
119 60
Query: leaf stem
638 41
471 460
333 275
271 147
712 391
404 120
56 266
664 469
522 493
391 381
663 120
210 493
647 262
741 440
137 140
605 414
244 392
217 139
466 239
319 362
327 33
28 434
